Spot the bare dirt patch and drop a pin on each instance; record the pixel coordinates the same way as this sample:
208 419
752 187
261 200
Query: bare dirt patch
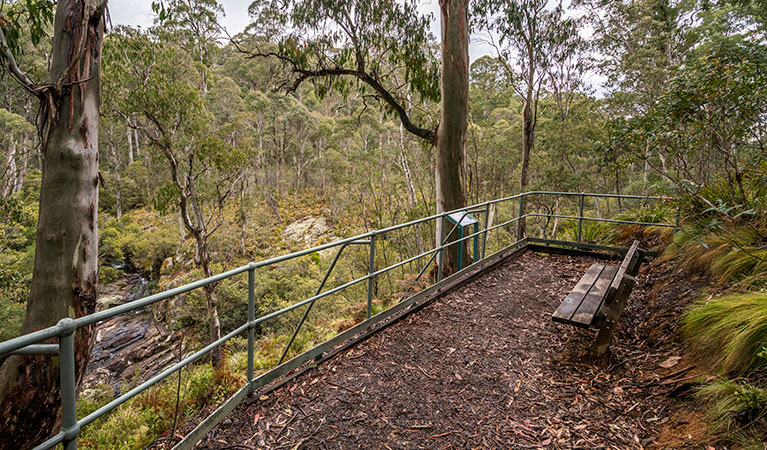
483 367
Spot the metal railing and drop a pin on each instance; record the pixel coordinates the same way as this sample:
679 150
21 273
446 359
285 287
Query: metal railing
65 329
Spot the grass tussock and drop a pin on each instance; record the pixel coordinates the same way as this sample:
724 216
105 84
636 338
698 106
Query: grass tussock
748 268
663 235
736 409
721 256
731 330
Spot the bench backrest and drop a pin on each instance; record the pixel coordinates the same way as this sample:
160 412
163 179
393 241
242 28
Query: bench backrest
628 269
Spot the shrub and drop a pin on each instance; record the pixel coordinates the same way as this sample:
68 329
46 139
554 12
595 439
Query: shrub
144 248
735 409
144 418
591 231
109 274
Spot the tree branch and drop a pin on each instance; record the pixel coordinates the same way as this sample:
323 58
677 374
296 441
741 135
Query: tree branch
20 76
305 74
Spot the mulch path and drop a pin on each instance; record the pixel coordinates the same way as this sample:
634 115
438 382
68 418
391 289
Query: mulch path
482 367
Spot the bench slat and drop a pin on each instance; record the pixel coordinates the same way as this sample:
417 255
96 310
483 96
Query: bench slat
629 266
573 300
584 315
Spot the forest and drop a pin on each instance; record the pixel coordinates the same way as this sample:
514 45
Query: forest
325 119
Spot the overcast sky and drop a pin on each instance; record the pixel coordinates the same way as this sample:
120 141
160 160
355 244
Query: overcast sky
139 13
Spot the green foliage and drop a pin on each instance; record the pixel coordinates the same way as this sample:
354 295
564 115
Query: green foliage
18 217
730 330
141 420
109 274
142 247
338 38
705 119
651 212
591 231
726 253
11 315
27 18
733 407
132 190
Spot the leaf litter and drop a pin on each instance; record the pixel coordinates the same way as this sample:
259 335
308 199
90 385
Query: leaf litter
483 367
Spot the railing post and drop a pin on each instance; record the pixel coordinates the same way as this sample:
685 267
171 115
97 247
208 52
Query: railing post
371 270
484 235
440 254
69 425
251 318
519 216
475 255
580 218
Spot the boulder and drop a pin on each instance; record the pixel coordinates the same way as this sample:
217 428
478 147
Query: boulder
108 301
308 230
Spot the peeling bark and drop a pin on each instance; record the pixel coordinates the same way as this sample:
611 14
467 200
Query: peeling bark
65 272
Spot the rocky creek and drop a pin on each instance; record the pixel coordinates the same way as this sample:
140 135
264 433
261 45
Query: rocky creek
129 348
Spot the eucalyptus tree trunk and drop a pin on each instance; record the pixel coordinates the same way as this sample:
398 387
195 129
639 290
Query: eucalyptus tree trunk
10 170
118 196
128 133
65 277
136 143
214 325
22 172
454 117
194 222
528 140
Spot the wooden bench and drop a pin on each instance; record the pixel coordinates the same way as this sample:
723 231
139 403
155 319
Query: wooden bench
599 298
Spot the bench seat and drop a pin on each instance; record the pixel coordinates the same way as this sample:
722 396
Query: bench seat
600 296
582 304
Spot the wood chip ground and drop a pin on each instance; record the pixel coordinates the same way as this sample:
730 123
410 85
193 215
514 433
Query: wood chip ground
484 367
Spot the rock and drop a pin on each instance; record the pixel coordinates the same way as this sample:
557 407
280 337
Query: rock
167 266
129 348
167 282
108 301
307 230
97 393
98 376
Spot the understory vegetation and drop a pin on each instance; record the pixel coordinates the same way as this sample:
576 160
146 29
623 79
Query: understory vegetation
729 330
217 152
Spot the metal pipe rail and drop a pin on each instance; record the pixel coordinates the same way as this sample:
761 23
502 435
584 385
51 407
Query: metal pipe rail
66 327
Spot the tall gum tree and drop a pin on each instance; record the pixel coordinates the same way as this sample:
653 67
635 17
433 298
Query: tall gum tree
65 276
454 110
156 82
382 50
530 36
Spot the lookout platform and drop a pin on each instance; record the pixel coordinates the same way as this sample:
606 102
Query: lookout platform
485 367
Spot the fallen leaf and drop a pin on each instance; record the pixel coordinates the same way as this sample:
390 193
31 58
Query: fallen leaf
670 362
458 376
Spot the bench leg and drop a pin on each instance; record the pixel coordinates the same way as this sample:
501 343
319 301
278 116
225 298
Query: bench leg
611 319
603 337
